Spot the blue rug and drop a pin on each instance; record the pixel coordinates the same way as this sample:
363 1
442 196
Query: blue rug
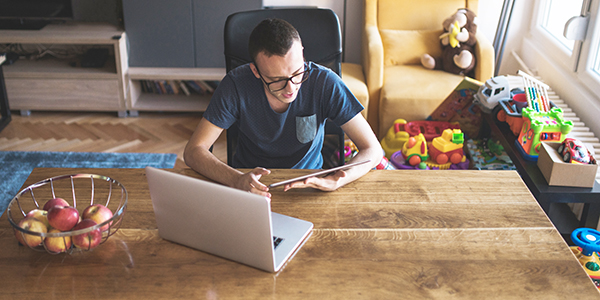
15 166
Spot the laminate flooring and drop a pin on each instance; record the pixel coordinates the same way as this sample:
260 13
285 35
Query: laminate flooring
150 132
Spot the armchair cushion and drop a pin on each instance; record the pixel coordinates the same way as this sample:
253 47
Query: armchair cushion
399 87
353 77
412 92
405 47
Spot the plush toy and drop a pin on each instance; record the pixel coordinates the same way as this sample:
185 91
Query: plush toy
458 44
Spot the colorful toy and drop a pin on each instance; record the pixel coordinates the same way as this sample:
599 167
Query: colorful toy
385 164
491 92
415 149
400 163
541 127
541 121
402 130
443 151
459 107
511 112
458 44
537 93
574 151
448 147
586 251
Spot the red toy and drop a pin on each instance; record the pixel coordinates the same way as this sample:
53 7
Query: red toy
441 153
573 151
448 147
429 129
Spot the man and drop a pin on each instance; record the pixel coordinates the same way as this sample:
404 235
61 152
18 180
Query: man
281 103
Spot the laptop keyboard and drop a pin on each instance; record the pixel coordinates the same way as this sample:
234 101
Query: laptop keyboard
276 241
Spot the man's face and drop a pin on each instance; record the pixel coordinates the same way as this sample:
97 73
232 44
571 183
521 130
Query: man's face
275 68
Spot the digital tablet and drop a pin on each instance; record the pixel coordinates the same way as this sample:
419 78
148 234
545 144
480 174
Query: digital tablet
319 173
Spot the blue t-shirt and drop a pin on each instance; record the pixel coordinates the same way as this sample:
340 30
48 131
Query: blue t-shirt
292 139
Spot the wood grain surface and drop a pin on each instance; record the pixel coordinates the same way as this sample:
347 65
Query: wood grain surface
389 235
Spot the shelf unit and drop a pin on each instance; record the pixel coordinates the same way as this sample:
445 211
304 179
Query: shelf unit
139 101
49 83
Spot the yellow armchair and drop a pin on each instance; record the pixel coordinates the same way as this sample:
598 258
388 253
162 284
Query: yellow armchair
396 34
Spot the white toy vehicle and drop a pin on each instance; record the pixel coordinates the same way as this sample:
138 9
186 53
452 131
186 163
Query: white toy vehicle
496 89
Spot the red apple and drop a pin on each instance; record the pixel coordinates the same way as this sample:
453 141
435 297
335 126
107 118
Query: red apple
55 202
63 218
39 214
57 244
31 224
99 214
87 240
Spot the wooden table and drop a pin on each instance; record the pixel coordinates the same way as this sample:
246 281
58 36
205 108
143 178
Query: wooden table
389 235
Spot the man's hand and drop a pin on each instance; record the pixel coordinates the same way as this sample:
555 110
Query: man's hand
251 182
328 183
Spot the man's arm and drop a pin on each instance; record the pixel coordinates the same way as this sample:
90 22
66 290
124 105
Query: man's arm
361 134
198 157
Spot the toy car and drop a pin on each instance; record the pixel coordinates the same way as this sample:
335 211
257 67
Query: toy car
573 151
491 92
496 89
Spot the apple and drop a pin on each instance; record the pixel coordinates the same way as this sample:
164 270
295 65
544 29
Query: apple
63 218
39 214
99 214
87 240
55 202
31 224
57 244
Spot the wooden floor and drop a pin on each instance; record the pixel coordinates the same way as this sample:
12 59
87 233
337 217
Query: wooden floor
103 132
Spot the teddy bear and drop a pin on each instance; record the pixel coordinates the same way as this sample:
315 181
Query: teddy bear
458 44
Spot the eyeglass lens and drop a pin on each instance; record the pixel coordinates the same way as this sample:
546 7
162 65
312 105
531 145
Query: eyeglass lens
296 79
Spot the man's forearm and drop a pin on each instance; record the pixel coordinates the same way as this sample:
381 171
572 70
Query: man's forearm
374 154
205 163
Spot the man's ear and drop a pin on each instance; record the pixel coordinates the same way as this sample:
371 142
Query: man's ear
254 70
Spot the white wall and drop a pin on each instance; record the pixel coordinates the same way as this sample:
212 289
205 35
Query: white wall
350 16
488 14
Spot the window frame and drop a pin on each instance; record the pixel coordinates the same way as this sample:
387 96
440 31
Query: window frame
578 63
590 51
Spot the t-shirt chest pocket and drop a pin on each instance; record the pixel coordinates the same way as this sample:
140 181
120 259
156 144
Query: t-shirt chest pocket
306 128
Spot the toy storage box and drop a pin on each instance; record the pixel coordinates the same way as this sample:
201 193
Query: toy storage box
558 172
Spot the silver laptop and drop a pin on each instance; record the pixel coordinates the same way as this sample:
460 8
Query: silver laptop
224 221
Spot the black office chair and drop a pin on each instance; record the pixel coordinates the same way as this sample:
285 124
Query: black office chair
320 33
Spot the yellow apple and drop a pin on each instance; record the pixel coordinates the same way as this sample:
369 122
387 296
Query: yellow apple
31 224
39 214
57 244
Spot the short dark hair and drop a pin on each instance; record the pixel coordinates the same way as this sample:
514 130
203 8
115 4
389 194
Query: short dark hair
273 37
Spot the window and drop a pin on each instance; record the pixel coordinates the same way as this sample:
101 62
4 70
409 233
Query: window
578 54
555 15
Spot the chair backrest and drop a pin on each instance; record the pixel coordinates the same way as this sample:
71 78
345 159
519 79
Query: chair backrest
421 15
320 32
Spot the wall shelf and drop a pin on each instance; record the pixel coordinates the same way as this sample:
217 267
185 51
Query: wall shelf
49 83
140 101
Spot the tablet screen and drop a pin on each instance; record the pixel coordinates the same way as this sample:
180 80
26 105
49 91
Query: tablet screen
319 173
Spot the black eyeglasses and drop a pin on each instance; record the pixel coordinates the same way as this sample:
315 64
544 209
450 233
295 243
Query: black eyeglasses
279 85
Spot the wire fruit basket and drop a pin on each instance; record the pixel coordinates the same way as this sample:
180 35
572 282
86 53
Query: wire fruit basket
80 191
